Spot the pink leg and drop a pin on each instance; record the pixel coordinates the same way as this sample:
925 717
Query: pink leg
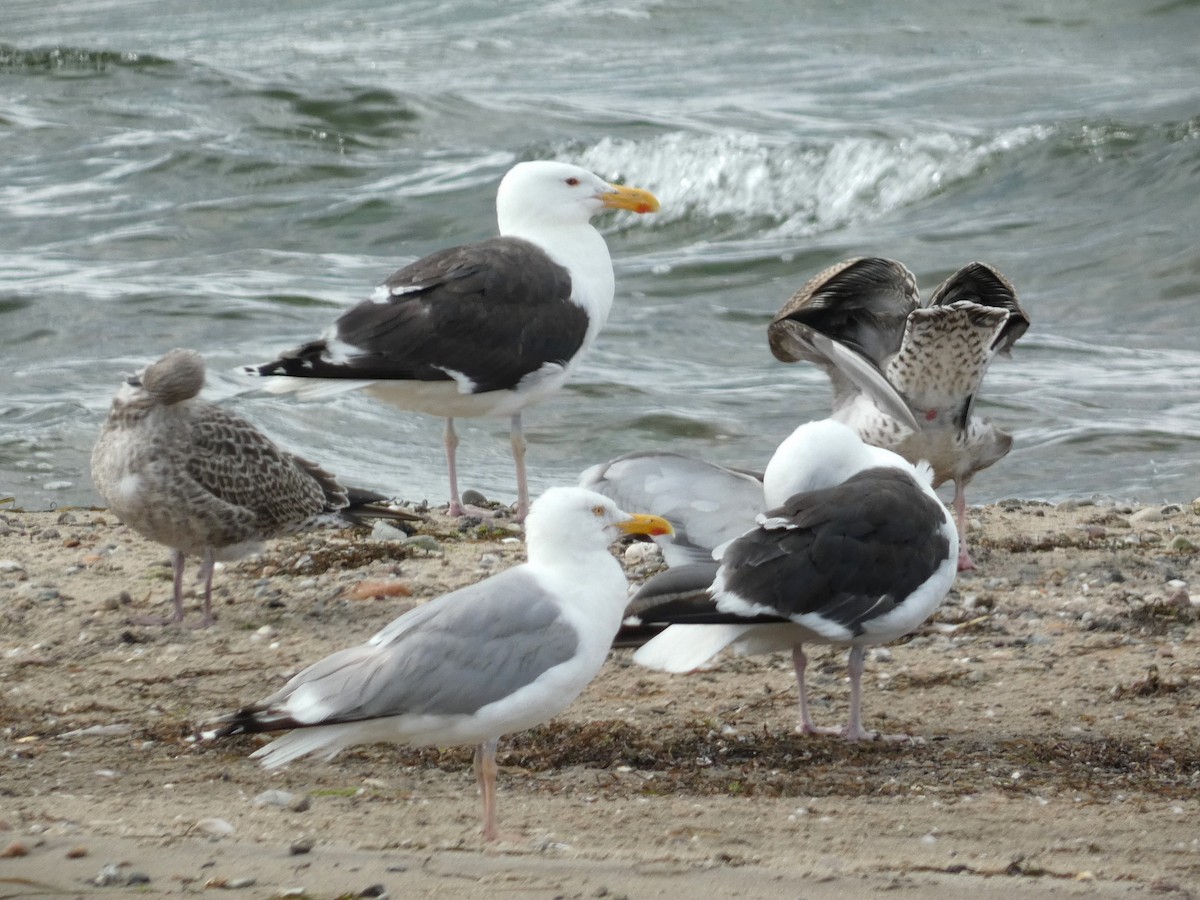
450 439
806 726
485 774
206 572
854 730
178 561
518 450
457 508
965 563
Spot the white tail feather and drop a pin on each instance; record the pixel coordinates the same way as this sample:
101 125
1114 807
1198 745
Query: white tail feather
300 742
312 388
683 648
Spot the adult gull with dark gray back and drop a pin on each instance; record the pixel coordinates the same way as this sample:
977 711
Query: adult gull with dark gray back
498 656
204 481
854 549
483 329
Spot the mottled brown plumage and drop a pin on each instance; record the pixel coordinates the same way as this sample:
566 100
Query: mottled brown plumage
201 480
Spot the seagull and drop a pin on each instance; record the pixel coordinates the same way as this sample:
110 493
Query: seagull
482 329
855 549
205 482
891 358
498 656
706 503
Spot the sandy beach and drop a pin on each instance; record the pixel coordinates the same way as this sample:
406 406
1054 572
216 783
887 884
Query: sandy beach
1052 697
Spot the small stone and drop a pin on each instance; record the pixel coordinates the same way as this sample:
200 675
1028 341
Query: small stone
641 552
110 874
77 853
374 890
382 531
282 799
215 827
235 884
1149 514
1180 544
1177 593
11 565
137 878
380 587
301 847
13 850
423 542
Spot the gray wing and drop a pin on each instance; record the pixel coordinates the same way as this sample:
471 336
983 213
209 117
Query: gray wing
452 656
707 504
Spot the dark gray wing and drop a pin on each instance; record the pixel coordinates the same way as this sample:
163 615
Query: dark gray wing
846 553
494 311
706 503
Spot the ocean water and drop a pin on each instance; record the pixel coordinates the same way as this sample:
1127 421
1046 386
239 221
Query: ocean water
229 176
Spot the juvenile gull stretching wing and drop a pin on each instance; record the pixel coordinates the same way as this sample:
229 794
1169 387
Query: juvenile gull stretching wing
496 657
483 329
891 352
855 549
203 481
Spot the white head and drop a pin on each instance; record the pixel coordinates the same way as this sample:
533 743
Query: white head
543 193
564 520
818 455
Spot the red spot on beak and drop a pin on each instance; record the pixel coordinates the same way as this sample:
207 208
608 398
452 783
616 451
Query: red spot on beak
931 415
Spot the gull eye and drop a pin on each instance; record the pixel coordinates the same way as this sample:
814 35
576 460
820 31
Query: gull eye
598 511
573 181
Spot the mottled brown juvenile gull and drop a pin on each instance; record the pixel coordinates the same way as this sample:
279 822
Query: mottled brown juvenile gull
499 656
863 322
483 329
855 549
203 481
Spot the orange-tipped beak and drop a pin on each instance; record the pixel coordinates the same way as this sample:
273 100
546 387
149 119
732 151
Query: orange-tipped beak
641 523
634 199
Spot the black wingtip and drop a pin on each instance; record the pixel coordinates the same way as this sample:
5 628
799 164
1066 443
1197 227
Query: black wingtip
247 720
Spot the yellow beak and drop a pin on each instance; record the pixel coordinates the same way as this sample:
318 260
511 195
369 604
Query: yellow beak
641 523
634 199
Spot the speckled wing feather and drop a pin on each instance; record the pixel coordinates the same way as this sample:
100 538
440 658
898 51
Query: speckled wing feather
861 303
944 356
240 466
983 284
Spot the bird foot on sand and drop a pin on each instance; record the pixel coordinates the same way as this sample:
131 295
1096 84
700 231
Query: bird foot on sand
864 735
203 622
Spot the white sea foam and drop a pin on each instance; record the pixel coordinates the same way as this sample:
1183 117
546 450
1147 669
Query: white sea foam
802 187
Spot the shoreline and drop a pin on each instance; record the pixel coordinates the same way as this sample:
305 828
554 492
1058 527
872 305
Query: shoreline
1054 693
